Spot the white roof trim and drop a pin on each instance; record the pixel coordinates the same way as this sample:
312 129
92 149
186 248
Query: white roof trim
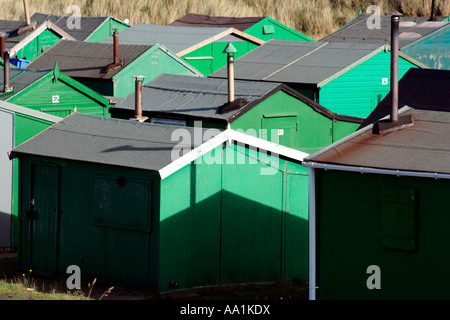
230 135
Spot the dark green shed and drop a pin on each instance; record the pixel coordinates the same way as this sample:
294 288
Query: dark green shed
159 207
379 212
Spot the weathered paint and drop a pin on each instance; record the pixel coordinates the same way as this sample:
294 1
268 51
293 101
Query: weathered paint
359 90
349 239
269 28
210 57
433 50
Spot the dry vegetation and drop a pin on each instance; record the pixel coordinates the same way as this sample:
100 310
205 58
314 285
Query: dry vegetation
315 18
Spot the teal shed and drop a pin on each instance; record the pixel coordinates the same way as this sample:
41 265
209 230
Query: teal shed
346 78
187 206
264 28
268 110
108 71
17 125
379 212
52 92
200 47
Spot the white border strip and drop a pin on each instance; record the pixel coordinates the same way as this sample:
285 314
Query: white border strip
230 135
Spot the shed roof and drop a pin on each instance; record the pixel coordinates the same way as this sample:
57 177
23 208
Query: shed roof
202 20
180 40
424 147
424 89
16 40
207 98
14 108
300 62
410 29
131 144
21 79
88 24
82 59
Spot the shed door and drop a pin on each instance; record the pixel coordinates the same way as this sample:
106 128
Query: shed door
280 130
44 218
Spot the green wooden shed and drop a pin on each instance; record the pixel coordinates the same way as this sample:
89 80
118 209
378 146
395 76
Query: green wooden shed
268 110
91 29
52 92
200 47
264 28
26 42
109 68
346 78
17 124
379 212
160 207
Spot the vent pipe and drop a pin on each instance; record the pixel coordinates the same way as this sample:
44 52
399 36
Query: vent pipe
394 64
230 50
6 67
2 43
27 13
138 99
116 46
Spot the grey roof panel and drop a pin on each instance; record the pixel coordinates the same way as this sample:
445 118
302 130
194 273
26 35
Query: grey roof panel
88 24
297 61
86 59
175 38
357 30
108 141
193 96
424 147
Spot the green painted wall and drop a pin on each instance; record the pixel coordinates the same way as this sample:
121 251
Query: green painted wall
102 225
151 64
349 238
233 215
215 58
106 30
38 45
60 97
25 127
304 128
240 222
268 29
358 91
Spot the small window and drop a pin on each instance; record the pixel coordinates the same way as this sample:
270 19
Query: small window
168 121
268 29
399 219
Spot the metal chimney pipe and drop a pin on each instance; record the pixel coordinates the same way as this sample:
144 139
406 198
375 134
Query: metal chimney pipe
27 13
6 67
138 97
2 43
116 46
394 64
230 78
